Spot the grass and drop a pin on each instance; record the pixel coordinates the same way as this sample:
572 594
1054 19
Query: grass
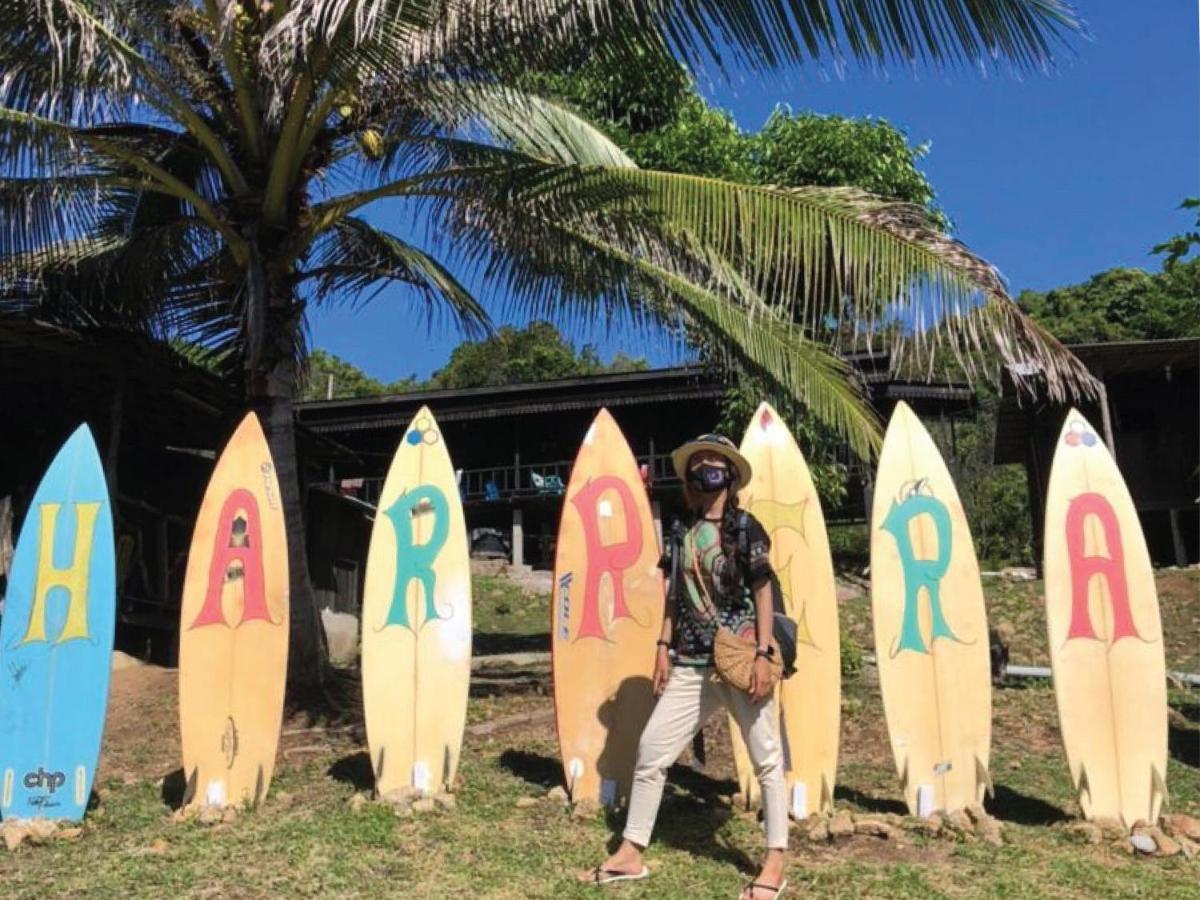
308 840
508 620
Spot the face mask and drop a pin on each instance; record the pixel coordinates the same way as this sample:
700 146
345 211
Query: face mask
709 479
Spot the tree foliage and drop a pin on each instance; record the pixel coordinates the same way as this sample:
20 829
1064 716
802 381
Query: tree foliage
537 352
324 370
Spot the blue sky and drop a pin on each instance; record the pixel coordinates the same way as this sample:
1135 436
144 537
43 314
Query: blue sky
1052 178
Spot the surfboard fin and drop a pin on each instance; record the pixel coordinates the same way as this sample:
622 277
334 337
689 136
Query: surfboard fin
826 794
984 777
904 777
189 789
258 786
1082 786
379 767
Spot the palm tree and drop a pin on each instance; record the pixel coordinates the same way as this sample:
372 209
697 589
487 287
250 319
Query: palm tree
199 168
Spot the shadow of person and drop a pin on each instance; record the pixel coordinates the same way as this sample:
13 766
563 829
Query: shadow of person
538 770
623 716
869 802
174 785
1012 806
354 770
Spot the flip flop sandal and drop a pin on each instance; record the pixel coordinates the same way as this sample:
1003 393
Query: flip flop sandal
601 876
776 892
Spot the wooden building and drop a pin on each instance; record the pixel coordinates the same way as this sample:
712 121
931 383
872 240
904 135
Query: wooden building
1149 412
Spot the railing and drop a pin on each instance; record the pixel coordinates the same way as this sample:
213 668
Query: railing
499 483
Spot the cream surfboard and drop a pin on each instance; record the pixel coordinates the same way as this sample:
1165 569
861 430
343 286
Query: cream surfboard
233 638
416 642
781 495
931 636
1106 645
606 616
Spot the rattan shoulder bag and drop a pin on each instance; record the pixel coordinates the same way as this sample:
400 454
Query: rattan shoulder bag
734 656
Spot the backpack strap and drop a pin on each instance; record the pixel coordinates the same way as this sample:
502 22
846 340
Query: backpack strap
743 535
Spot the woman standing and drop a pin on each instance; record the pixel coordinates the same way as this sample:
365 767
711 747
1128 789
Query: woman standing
726 582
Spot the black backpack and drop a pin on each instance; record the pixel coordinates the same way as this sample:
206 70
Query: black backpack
784 630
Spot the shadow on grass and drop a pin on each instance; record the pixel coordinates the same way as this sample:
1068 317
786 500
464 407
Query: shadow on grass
869 802
354 770
532 768
1184 745
1012 806
174 786
484 643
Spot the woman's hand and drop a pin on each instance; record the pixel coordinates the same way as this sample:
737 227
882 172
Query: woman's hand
662 670
760 680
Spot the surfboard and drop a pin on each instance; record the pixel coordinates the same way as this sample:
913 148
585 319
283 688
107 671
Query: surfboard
931 637
1106 644
605 618
781 495
233 631
56 640
416 644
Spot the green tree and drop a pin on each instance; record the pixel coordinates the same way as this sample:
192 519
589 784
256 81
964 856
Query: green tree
200 169
323 370
537 352
1180 245
1122 305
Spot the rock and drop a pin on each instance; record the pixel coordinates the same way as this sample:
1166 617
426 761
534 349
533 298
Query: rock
15 833
1167 846
841 825
875 828
448 802
526 802
1019 573
931 826
558 793
424 805
125 661
209 815
1112 829
39 831
1142 843
816 830
229 815
341 634
1189 848
357 802
990 831
976 813
158 846
585 809
400 796
1182 826
1089 832
69 834
959 821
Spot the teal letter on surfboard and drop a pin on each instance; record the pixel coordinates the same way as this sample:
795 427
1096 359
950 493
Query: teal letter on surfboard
921 573
414 562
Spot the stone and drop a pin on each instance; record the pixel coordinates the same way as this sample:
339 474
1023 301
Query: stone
959 821
357 802
1189 848
229 815
874 828
209 815
976 813
14 834
526 802
1089 832
1167 846
448 802
585 809
816 830
1182 826
341 635
424 805
1112 829
990 831
931 826
1142 843
400 796
1019 573
69 834
122 660
40 830
558 793
841 825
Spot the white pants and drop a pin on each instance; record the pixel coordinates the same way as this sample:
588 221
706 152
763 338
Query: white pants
691 696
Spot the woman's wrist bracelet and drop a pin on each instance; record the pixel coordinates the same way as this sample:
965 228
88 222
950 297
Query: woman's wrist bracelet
661 643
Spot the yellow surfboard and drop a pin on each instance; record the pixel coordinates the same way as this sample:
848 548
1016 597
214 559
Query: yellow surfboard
931 637
606 616
416 644
233 636
781 495
1106 646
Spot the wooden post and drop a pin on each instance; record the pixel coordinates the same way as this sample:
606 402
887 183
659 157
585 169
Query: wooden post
1033 474
656 511
1106 419
1181 558
518 537
112 457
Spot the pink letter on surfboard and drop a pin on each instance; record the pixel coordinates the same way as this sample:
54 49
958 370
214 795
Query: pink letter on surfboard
606 615
233 636
56 640
416 642
1105 633
781 495
930 622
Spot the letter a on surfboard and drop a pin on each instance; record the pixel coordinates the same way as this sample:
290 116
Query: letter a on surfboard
1105 633
930 623
56 640
233 633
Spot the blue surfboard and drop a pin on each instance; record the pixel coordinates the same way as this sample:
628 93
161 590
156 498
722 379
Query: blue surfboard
56 640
